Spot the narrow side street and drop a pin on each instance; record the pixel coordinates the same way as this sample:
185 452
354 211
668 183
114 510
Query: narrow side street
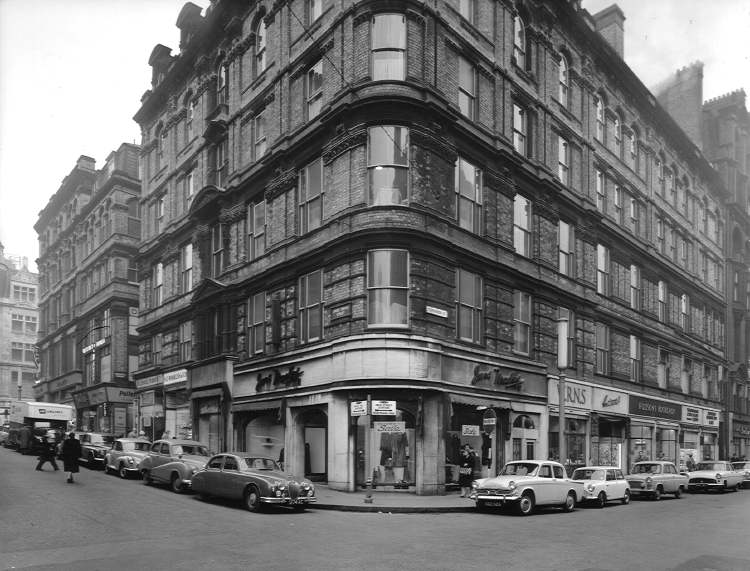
103 522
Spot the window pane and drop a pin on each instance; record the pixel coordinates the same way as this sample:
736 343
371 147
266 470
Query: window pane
388 185
388 306
388 31
388 145
387 268
388 65
466 75
467 179
313 288
466 287
465 321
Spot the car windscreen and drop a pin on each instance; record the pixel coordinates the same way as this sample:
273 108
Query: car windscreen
741 465
588 474
261 464
520 469
646 469
710 466
192 449
104 439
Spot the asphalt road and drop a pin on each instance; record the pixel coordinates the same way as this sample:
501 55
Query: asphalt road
102 522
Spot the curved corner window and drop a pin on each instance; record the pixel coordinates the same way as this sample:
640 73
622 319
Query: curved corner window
388 47
387 288
388 164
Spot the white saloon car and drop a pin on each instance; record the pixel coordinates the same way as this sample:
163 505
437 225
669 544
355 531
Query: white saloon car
526 484
602 484
714 475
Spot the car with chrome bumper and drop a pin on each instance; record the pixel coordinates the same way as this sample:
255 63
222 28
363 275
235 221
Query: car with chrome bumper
655 478
602 484
257 481
527 484
714 475
173 462
744 468
94 447
125 455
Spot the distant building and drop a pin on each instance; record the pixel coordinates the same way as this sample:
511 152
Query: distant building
375 231
19 314
88 240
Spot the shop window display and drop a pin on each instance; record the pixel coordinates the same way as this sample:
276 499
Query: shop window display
666 444
575 442
640 443
708 446
466 428
386 449
607 442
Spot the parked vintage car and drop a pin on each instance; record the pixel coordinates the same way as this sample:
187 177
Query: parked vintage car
744 468
125 455
526 484
173 462
714 475
256 480
602 484
656 478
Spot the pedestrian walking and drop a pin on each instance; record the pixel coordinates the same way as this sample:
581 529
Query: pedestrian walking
47 454
71 453
466 470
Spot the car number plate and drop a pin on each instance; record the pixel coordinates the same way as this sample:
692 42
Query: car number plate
494 504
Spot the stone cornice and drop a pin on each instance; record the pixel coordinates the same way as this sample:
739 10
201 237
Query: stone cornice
348 140
283 181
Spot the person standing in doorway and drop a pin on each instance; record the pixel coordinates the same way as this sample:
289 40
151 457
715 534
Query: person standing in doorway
71 453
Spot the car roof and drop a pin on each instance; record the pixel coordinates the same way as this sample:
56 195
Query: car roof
655 462
244 455
179 441
598 468
133 440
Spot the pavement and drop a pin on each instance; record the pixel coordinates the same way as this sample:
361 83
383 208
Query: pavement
389 502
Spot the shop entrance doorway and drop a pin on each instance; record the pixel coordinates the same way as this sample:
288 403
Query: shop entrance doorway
315 429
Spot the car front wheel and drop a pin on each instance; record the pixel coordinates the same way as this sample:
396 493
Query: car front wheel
252 499
601 500
122 471
626 498
657 494
678 493
146 475
526 504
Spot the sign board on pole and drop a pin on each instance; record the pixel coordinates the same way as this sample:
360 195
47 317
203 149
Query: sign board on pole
358 408
384 407
469 430
489 420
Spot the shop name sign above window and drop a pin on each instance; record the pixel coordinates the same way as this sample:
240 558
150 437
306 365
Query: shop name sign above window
710 417
396 427
178 376
486 377
691 414
655 408
275 380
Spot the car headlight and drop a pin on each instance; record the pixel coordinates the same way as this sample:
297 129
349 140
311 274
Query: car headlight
131 461
512 485
590 487
718 476
474 485
649 481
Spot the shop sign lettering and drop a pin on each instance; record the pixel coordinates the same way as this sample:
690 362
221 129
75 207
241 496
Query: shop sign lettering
610 401
469 430
691 414
358 408
148 381
396 427
178 376
495 378
384 407
275 380
655 408
576 395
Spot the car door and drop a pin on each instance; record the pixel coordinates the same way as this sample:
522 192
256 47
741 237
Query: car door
544 489
612 487
622 482
671 482
160 457
210 475
559 484
232 478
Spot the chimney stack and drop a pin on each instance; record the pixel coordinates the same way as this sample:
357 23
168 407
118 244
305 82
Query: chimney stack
610 25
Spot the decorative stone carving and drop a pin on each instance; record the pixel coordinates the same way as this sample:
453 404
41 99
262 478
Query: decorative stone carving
436 145
284 181
345 142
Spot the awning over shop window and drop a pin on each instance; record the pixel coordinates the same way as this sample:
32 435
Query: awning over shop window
199 394
256 405
477 401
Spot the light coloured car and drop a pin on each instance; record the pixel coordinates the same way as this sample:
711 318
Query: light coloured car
173 462
602 484
714 475
255 480
527 484
744 468
125 455
655 478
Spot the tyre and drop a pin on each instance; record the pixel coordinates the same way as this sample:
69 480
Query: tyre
146 475
252 499
678 493
90 460
204 496
626 498
657 494
526 503
570 502
122 472
106 467
176 484
601 500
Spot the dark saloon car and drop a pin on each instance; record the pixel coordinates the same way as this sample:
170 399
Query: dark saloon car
255 480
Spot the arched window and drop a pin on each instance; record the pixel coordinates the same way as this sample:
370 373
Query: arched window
524 421
563 79
618 135
260 47
519 42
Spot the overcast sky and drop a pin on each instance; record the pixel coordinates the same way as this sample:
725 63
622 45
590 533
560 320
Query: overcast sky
72 73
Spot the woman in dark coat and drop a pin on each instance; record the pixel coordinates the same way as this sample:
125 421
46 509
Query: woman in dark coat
71 452
466 470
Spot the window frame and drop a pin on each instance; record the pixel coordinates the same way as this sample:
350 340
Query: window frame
218 249
256 324
462 196
603 270
467 96
522 303
563 78
260 53
373 287
400 50
307 307
314 96
158 284
186 267
635 287
563 160
566 336
260 143
602 344
636 360
520 231
395 167
566 258
305 199
469 304
521 143
520 47
256 239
